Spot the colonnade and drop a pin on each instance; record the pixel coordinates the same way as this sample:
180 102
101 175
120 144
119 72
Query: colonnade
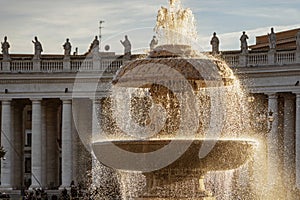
52 138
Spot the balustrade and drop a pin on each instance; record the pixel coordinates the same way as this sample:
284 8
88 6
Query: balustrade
258 59
285 57
110 65
21 66
232 60
81 65
52 66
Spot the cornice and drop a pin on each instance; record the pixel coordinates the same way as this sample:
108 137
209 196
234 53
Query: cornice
267 71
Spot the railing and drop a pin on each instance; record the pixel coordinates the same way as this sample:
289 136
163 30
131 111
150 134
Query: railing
111 65
258 59
232 60
21 66
105 64
81 65
52 66
285 57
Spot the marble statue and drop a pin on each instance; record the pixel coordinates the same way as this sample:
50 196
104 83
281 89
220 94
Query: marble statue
215 44
127 46
153 43
272 39
298 41
75 53
5 46
38 49
244 44
67 47
94 47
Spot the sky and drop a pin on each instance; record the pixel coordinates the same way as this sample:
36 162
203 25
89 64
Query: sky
54 21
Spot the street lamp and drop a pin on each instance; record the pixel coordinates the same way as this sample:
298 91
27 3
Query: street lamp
270 119
2 152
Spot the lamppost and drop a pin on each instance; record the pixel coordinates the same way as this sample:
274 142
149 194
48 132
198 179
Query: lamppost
262 117
270 119
2 153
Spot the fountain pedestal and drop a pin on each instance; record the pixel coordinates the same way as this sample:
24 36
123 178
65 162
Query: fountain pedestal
177 184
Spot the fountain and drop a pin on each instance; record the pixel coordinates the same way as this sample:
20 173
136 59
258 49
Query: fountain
174 115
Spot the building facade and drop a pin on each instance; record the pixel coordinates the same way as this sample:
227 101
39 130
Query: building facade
43 148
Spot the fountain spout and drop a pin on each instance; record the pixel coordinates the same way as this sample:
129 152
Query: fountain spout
175 25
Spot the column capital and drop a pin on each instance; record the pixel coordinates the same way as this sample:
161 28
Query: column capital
272 95
96 100
6 101
36 100
66 100
297 95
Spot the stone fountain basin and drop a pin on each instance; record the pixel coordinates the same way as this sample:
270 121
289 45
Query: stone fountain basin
224 154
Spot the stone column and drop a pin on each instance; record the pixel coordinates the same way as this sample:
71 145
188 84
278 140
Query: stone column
289 141
37 143
6 139
96 108
298 140
96 114
67 162
272 143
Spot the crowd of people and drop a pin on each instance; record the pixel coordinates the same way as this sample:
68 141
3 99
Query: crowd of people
75 193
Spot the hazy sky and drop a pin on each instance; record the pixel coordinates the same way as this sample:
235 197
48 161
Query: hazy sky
53 21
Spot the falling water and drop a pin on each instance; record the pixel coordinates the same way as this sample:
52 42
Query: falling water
216 107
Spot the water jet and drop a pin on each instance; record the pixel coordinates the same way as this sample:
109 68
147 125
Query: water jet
176 126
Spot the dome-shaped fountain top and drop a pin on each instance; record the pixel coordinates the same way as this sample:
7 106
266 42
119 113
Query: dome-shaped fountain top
176 31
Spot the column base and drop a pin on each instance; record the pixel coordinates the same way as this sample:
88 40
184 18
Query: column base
32 187
62 187
6 187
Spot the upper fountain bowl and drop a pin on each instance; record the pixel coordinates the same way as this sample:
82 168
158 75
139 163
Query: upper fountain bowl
174 63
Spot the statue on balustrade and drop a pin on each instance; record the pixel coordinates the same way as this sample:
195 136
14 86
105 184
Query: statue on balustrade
127 47
38 49
94 47
298 41
67 47
272 39
215 44
153 43
244 44
5 46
